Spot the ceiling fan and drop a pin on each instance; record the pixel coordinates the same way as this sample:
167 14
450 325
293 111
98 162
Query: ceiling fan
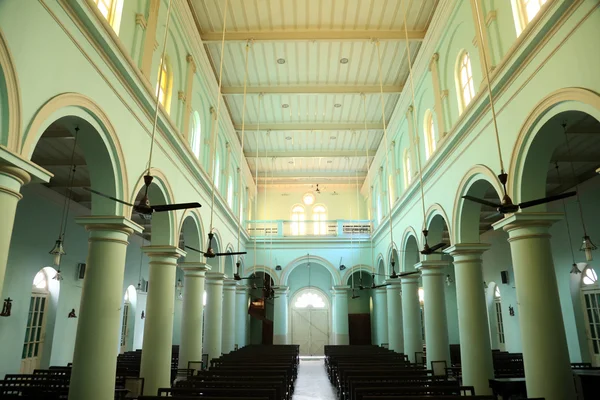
506 206
143 206
427 250
209 253
236 275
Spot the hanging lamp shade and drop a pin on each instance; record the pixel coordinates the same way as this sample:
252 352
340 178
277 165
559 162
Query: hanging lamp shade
588 246
58 251
575 270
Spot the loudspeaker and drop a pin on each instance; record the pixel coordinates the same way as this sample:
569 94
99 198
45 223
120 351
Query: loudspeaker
504 276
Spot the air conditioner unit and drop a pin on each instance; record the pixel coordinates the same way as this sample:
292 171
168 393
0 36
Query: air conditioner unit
80 271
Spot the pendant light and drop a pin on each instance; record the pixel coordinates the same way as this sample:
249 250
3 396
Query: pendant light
58 250
574 269
587 246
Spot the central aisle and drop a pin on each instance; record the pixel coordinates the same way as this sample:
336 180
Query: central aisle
312 382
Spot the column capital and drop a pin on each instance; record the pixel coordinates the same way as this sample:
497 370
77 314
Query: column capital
114 223
393 283
468 250
229 284
194 268
215 278
409 279
431 267
340 288
527 225
163 251
380 290
282 290
15 165
242 289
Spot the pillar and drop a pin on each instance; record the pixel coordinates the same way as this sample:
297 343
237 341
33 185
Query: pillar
149 41
193 312
241 315
340 314
11 180
394 314
545 353
158 327
214 311
280 315
437 95
228 330
95 358
411 316
380 306
475 348
434 305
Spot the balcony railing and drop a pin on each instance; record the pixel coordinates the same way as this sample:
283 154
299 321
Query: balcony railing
288 228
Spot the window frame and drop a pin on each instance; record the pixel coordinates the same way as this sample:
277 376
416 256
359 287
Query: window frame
164 85
464 62
429 134
319 220
298 227
406 163
521 15
196 136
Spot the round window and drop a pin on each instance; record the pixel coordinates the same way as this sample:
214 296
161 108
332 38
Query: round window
308 199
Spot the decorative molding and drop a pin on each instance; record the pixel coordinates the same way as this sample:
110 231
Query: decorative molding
444 94
140 20
475 42
181 95
491 17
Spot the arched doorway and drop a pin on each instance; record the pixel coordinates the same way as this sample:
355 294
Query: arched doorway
590 300
128 319
310 321
499 333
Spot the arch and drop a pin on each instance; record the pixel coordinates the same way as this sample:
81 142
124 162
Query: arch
381 270
305 290
436 210
103 153
196 136
256 269
192 232
429 134
466 214
465 83
410 250
10 98
357 268
335 274
215 263
164 224
229 263
319 216
520 185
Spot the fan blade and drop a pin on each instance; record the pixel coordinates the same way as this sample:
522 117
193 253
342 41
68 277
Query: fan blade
546 199
194 249
437 247
481 201
108 197
239 253
173 207
378 286
409 273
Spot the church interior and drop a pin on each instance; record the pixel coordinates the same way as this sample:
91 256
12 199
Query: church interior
293 199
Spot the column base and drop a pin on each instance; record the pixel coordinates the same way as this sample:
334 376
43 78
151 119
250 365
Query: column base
341 338
280 339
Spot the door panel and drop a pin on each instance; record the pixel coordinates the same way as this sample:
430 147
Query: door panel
359 329
310 330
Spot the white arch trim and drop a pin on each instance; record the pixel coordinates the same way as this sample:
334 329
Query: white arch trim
335 274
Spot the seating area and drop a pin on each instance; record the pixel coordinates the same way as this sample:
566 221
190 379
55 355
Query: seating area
263 372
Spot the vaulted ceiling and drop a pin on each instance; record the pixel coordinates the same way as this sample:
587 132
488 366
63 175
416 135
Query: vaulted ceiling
309 64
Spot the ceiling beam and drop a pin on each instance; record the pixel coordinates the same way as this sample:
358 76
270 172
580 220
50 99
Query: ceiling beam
310 154
312 35
308 126
315 175
312 89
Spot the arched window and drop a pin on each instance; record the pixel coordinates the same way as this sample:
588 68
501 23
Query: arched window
391 187
297 220
499 320
230 191
407 168
310 300
40 281
589 276
429 133
466 88
195 138
524 11
378 206
164 84
111 10
319 218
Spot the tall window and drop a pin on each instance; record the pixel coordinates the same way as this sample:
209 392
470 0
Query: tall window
524 11
430 144
319 218
590 293
421 293
36 324
407 168
297 220
111 10
391 189
500 322
465 81
378 206
163 84
217 171
230 191
195 138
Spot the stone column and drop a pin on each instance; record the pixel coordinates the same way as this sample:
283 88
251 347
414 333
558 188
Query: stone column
340 314
241 315
434 304
394 314
475 349
214 312
94 357
545 353
158 327
228 331
280 315
411 316
380 306
11 180
193 312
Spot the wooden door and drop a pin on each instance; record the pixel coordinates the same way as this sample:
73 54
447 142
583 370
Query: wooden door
591 307
34 334
125 327
359 329
267 332
310 330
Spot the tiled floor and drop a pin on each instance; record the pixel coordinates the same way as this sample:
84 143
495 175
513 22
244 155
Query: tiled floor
312 382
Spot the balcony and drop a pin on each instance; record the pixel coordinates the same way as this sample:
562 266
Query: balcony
331 228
